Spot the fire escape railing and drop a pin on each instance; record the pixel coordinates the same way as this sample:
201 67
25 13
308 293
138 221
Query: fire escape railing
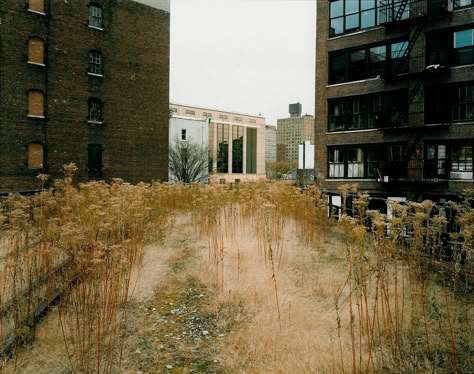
412 12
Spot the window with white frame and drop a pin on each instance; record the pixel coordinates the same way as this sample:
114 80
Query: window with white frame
95 62
461 161
355 162
336 163
95 15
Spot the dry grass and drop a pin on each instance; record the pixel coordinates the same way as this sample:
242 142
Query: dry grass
288 290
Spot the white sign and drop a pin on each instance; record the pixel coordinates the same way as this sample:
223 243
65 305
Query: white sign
306 156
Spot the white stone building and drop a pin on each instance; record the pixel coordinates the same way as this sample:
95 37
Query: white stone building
236 142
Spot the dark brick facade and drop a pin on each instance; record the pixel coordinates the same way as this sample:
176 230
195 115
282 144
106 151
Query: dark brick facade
448 133
134 91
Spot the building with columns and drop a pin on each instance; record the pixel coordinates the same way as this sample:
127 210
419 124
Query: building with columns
236 142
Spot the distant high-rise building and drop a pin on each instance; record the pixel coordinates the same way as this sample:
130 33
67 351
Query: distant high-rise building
270 143
395 97
293 131
85 82
236 142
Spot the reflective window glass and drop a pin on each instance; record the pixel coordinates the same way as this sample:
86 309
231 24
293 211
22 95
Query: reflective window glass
337 26
352 6
463 38
367 4
352 21
337 8
367 18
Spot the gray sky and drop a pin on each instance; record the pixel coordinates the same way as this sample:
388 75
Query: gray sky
247 56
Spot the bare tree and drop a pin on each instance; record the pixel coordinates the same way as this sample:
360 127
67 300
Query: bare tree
188 162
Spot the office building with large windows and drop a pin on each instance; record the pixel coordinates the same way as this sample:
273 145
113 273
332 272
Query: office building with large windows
236 142
394 97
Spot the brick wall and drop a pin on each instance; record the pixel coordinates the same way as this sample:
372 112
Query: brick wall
379 34
134 90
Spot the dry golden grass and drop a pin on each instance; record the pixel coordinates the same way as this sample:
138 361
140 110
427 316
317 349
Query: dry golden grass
288 290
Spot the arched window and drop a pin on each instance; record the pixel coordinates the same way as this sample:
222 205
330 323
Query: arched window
36 51
35 156
36 5
35 103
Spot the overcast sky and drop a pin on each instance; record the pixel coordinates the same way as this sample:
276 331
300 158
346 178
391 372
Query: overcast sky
247 56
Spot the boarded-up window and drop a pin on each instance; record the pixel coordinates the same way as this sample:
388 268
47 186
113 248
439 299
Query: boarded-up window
36 5
35 103
35 155
36 50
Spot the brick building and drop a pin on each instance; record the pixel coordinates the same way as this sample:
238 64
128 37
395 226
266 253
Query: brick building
86 82
394 97
293 131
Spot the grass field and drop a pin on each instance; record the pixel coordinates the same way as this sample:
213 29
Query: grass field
234 279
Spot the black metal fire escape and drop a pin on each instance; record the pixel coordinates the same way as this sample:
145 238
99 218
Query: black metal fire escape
413 14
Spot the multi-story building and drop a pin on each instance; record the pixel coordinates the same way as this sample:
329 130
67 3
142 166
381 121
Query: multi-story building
270 143
85 82
394 97
293 131
188 135
236 142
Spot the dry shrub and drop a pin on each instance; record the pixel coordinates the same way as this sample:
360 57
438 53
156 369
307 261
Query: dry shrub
297 291
78 245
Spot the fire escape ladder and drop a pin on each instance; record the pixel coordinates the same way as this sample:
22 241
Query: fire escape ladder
403 116
413 144
414 91
413 39
401 10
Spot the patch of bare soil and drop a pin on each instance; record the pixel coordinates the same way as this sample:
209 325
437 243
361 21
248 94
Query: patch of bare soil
174 330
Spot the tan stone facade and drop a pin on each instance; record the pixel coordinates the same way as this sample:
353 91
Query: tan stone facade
236 142
290 133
